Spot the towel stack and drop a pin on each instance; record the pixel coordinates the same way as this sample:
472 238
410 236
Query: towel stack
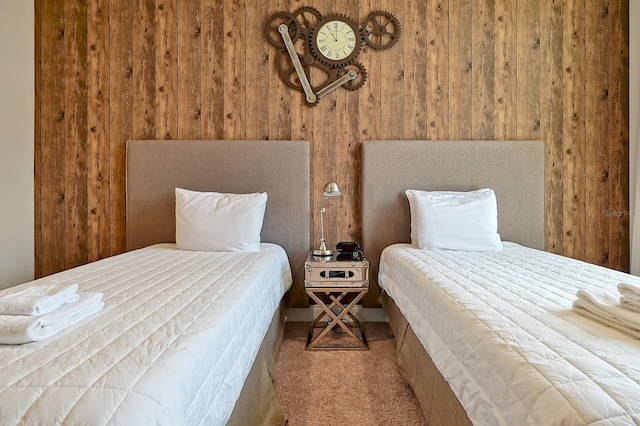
36 313
629 296
619 311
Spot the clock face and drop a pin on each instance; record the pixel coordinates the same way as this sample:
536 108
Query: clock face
336 40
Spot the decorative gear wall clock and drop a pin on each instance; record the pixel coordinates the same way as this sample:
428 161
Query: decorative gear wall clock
329 44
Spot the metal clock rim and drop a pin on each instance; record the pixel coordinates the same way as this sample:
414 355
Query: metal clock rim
358 40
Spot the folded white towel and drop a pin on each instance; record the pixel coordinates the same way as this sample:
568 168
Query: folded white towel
36 300
628 289
17 329
630 303
605 307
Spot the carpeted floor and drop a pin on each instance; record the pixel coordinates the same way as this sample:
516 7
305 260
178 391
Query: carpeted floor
344 387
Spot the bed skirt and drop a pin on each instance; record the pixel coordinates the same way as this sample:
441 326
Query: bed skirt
257 404
439 404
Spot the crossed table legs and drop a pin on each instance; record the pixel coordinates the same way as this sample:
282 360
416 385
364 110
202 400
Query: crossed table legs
336 295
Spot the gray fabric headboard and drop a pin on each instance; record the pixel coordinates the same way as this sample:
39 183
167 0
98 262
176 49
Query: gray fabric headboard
514 169
279 168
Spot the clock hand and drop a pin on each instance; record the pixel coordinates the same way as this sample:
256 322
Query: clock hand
351 75
308 91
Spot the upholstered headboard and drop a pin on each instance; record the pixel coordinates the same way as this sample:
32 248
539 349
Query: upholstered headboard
513 169
279 168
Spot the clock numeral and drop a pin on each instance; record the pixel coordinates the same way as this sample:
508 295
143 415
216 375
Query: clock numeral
328 27
349 46
351 39
329 53
349 32
335 25
322 41
337 55
323 48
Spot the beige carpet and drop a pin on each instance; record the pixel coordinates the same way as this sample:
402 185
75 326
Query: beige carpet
344 387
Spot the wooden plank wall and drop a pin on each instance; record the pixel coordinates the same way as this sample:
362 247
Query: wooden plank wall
108 71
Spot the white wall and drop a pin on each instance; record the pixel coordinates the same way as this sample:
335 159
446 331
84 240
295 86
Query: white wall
17 95
634 131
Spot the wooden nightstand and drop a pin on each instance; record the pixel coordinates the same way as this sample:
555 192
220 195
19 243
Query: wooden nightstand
336 286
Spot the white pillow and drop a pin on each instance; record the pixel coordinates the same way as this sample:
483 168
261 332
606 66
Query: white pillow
451 220
212 221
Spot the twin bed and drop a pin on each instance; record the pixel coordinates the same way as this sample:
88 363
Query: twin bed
185 337
490 337
190 337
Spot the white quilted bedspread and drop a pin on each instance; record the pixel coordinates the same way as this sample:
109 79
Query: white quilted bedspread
173 345
500 328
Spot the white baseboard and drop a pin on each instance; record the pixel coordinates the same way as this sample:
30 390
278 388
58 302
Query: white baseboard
309 314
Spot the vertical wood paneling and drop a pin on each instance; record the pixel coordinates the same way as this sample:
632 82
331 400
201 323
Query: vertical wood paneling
212 69
282 97
597 127
392 83
121 113
528 62
551 120
37 150
144 70
460 70
75 114
573 137
369 118
166 108
348 150
98 139
189 57
437 63
472 69
325 141
415 72
619 133
52 152
483 63
506 70
257 63
235 83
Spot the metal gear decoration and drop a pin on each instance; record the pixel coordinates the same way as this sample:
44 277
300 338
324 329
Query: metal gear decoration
382 30
356 46
275 20
308 17
359 81
330 61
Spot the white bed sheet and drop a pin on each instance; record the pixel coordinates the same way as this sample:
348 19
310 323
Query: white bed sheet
500 328
173 346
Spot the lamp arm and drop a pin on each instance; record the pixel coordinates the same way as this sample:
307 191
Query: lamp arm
322 240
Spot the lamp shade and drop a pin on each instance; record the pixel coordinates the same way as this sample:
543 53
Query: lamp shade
331 189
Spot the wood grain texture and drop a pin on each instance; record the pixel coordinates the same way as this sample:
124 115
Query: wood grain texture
597 126
506 71
75 95
551 121
234 82
51 163
189 60
469 69
574 131
144 70
98 137
166 35
437 64
121 115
